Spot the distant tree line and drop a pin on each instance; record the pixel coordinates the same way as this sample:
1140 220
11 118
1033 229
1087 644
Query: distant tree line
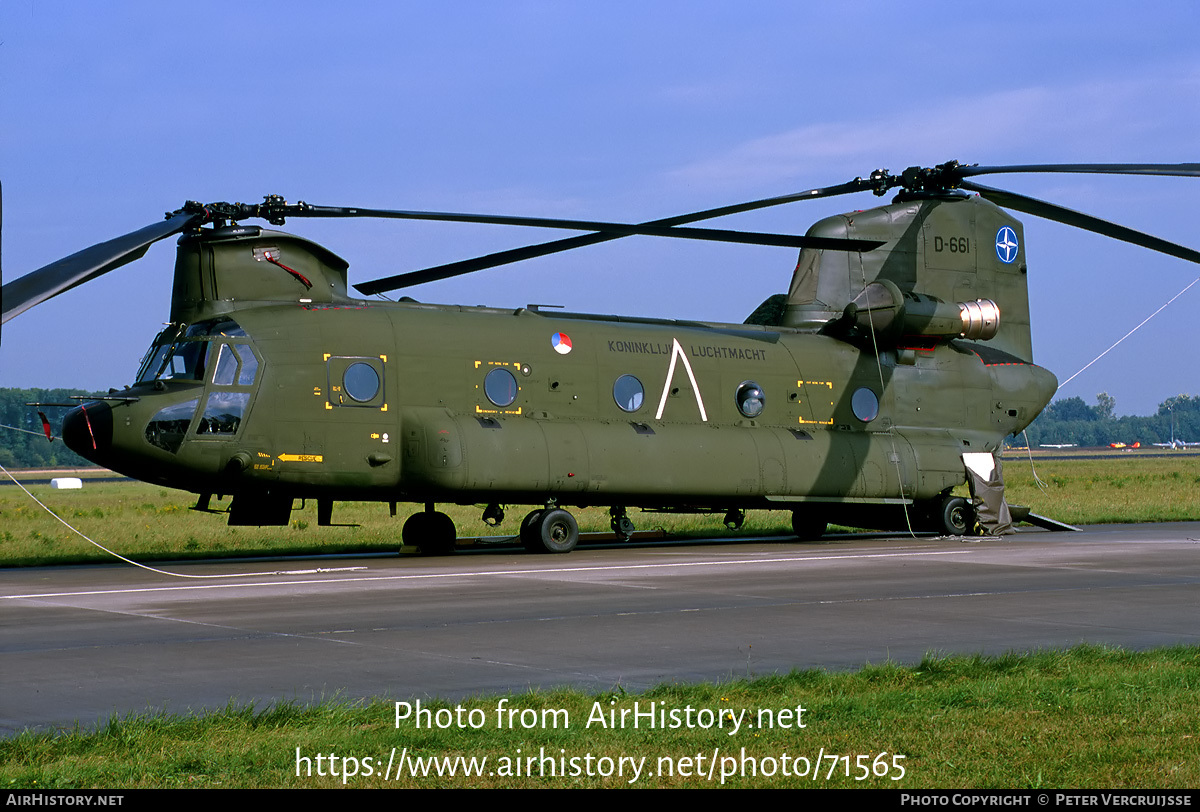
1072 421
22 443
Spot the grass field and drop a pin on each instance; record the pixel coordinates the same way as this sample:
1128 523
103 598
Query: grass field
1117 488
147 522
1087 718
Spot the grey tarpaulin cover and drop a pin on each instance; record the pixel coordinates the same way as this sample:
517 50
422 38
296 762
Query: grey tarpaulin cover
987 493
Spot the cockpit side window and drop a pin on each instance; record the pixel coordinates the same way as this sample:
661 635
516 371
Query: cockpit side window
249 364
227 364
223 413
236 364
156 356
168 427
216 350
181 353
187 361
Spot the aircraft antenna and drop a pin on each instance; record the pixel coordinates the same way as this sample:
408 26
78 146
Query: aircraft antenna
1127 335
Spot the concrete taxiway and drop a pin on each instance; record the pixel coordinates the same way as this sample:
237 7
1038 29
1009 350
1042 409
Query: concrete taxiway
78 644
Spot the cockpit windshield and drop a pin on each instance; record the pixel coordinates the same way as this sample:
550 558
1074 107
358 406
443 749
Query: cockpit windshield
180 352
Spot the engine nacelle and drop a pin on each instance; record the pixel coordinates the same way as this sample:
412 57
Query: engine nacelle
882 308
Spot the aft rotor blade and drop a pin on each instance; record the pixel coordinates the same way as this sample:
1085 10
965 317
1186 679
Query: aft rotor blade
1060 214
1175 170
466 266
51 280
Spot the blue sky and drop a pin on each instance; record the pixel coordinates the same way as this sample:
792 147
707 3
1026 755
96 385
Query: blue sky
113 113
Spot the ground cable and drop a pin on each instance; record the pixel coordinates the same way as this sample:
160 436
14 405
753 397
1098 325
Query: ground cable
79 533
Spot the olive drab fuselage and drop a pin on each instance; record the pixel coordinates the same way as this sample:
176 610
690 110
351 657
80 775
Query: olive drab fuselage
273 384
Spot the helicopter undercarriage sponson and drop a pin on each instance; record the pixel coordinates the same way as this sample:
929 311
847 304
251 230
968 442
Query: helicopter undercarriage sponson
435 532
828 476
603 463
858 473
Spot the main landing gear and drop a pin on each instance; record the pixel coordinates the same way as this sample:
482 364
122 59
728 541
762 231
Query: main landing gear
620 523
953 516
807 525
549 530
430 530
946 515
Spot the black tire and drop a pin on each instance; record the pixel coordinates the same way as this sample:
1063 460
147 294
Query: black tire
956 516
529 530
623 527
434 533
808 527
557 532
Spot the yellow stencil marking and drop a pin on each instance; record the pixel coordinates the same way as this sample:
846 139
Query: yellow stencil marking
828 384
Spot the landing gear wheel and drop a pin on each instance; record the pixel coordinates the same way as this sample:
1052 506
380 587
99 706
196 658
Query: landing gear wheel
529 532
955 517
557 532
433 532
808 527
734 519
621 524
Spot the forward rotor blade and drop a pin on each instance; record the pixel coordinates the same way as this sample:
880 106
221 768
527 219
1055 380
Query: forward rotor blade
51 280
1176 170
618 229
1060 214
543 249
466 266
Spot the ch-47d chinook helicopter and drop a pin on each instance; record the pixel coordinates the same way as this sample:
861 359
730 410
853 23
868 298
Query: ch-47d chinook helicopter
899 357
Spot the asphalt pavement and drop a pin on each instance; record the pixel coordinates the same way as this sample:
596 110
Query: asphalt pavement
81 643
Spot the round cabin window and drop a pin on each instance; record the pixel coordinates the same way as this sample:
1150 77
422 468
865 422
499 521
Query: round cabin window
865 405
629 393
500 386
750 399
361 382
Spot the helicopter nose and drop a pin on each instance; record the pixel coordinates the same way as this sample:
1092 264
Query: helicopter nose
88 430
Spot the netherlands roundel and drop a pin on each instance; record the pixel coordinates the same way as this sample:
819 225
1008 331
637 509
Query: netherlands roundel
561 342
